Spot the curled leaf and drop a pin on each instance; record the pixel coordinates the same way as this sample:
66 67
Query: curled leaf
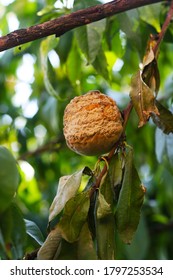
150 72
142 98
144 87
67 188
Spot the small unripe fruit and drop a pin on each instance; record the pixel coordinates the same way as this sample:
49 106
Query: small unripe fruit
92 123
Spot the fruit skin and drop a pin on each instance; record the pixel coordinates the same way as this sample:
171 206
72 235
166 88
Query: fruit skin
92 123
9 178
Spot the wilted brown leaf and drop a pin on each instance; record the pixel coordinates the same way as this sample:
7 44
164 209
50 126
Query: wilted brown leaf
143 99
51 247
164 120
150 72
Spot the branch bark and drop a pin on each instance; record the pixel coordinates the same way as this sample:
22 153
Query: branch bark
68 22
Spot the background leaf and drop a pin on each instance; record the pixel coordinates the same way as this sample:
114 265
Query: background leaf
9 178
33 230
160 147
89 39
74 64
13 232
46 46
151 14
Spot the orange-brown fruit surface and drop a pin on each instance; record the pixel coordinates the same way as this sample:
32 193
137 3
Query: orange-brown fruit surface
92 123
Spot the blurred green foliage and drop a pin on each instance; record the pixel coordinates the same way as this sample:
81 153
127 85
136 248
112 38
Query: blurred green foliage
37 81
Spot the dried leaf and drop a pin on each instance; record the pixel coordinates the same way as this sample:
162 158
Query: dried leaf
164 120
67 188
130 201
142 98
145 86
51 248
150 72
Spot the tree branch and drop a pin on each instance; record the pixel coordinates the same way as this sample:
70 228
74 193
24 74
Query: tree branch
68 22
53 145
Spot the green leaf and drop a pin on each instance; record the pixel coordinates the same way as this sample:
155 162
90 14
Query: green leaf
164 120
64 46
129 24
9 178
74 216
6 225
12 231
33 230
85 248
74 64
18 233
100 64
47 9
3 254
105 223
51 248
67 188
46 45
78 4
49 111
89 38
151 15
130 201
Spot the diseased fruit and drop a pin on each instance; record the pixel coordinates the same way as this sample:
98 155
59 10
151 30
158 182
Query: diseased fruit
92 123
9 178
